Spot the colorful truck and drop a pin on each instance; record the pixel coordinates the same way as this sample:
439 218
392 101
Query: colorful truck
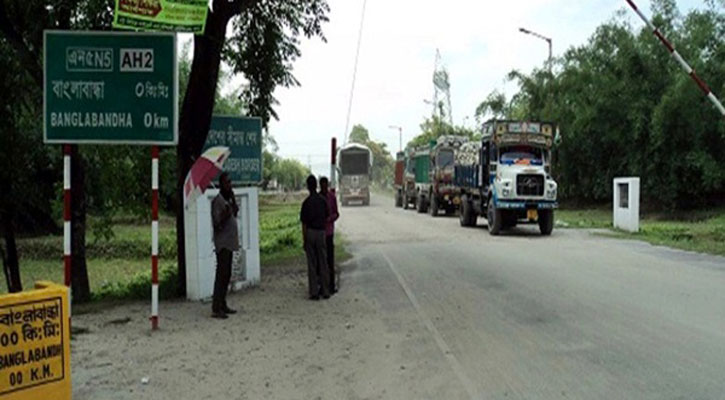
443 193
355 162
416 180
509 179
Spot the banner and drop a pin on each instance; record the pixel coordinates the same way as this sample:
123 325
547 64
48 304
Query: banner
161 15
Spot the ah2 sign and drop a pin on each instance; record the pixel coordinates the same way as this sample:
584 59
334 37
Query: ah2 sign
137 60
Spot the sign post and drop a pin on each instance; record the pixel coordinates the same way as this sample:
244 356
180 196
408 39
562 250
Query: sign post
243 136
161 15
111 88
35 342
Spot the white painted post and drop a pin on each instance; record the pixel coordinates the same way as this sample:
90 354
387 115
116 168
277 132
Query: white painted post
154 237
626 204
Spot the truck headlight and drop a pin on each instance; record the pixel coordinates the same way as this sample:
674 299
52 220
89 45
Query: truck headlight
551 193
505 192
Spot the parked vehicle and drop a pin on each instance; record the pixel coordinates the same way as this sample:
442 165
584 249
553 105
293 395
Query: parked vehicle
509 181
398 178
443 194
416 180
355 162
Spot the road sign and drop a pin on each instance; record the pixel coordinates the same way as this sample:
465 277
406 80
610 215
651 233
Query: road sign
110 87
243 136
161 15
35 343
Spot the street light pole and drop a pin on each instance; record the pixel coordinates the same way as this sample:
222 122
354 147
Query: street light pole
400 134
542 37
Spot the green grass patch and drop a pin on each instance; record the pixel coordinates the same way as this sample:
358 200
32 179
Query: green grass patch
701 231
120 267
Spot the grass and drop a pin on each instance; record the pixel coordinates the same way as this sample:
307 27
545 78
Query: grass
120 267
701 231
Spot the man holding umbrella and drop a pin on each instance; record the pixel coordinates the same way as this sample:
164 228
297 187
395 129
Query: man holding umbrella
224 211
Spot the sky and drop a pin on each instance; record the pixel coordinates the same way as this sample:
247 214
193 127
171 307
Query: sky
479 42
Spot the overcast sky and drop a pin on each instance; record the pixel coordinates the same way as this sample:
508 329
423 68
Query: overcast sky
479 42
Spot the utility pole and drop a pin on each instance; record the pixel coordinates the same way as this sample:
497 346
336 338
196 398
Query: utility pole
542 37
400 134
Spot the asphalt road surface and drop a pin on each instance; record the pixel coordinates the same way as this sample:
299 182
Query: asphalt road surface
520 316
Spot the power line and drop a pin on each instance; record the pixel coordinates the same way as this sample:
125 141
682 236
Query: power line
354 71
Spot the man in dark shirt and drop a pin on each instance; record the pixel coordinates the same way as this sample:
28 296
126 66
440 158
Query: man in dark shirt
224 210
314 217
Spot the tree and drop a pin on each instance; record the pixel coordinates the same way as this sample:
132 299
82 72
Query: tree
21 25
291 174
382 168
262 47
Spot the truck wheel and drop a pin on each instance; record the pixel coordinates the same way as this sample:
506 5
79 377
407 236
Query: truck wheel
494 219
434 206
398 200
421 204
466 216
546 222
406 202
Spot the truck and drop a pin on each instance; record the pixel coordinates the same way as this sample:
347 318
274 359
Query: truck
509 180
355 161
398 178
416 180
443 193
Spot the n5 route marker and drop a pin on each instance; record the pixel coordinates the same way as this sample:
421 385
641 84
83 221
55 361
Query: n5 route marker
35 344
110 87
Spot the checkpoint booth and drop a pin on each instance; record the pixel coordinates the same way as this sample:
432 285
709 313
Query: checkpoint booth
626 204
200 255
243 136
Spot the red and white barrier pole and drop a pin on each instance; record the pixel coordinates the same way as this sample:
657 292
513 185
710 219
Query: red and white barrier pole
333 158
66 220
700 83
154 237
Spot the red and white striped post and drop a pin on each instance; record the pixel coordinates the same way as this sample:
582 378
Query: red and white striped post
154 237
333 158
700 83
66 220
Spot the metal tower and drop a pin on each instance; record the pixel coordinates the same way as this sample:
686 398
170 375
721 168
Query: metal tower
442 91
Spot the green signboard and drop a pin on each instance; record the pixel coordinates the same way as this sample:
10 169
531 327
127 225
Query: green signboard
243 136
161 15
110 87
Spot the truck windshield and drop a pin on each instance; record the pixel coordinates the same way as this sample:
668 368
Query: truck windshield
521 154
354 163
444 158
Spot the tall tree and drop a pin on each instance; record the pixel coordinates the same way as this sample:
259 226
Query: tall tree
263 45
22 24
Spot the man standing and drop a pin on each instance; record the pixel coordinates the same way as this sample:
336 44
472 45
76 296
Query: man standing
313 216
224 211
332 216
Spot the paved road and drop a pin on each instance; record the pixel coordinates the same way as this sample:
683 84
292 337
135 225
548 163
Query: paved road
521 316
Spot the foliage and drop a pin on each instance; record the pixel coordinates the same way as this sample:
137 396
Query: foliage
265 44
625 108
290 174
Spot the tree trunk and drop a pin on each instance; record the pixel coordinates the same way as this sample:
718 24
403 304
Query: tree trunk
196 114
79 272
11 266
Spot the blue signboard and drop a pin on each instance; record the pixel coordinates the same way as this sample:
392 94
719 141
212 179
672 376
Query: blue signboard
243 136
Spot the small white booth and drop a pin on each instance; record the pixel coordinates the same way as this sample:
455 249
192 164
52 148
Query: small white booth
200 256
626 204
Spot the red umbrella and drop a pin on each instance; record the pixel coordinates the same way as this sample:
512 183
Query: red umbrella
203 172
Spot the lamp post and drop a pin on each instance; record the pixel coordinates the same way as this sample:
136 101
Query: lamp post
400 134
540 36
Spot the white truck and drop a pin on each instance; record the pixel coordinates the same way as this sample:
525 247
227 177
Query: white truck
509 180
355 161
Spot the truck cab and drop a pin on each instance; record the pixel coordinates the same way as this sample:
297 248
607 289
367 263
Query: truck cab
398 178
511 181
416 180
